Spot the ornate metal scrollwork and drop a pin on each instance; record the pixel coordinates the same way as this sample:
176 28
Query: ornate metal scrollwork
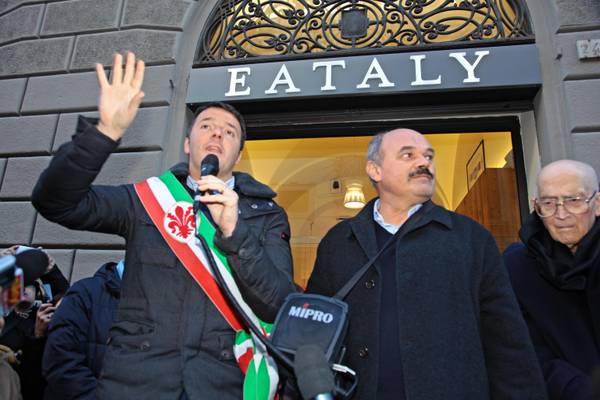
253 28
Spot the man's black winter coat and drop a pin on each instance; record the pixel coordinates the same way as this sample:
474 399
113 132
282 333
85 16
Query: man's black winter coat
462 336
168 336
77 336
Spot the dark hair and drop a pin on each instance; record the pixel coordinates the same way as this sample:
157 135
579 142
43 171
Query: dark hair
229 108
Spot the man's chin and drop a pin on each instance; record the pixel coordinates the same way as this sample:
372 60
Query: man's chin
424 195
425 187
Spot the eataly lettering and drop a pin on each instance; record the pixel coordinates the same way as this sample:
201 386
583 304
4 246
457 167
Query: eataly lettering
374 75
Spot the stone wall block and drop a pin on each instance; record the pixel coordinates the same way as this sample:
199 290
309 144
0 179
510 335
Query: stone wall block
157 13
8 5
21 23
3 162
157 85
30 134
87 262
81 16
49 234
585 148
578 12
150 46
17 222
146 131
11 94
582 102
121 168
572 66
21 175
64 260
61 92
74 92
35 56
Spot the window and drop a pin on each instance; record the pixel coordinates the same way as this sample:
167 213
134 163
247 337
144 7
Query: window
242 29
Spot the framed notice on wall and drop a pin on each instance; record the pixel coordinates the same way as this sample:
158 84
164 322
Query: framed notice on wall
476 164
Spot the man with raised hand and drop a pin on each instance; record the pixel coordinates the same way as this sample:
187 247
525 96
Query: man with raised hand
435 317
174 332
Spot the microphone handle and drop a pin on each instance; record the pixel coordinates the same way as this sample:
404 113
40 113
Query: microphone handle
196 202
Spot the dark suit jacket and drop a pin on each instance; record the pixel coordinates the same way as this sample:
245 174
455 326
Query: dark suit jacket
462 335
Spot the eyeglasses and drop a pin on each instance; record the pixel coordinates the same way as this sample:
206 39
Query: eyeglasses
546 206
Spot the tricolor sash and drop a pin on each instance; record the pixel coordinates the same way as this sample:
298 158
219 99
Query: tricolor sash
169 205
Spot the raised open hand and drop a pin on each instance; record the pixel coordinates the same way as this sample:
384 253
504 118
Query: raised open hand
120 99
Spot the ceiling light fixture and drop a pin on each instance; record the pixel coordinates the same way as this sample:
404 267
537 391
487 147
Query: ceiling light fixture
354 197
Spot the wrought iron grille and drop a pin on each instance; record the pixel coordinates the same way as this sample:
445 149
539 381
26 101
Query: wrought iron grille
253 28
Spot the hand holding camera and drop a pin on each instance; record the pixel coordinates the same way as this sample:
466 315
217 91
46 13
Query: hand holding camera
20 267
43 318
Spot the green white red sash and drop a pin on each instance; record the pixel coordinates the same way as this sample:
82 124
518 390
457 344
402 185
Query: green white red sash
169 205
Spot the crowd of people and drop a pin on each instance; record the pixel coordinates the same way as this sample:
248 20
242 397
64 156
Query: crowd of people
56 352
442 314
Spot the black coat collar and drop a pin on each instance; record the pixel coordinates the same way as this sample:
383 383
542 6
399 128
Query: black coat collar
362 224
244 183
556 263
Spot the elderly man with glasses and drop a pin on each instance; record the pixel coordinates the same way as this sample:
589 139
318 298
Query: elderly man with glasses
556 276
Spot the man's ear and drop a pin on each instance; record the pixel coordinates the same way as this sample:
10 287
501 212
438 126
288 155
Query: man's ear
373 170
186 145
597 201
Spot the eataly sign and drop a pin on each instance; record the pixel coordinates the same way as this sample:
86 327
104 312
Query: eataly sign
238 87
493 67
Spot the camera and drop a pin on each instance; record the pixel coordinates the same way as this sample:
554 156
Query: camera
11 282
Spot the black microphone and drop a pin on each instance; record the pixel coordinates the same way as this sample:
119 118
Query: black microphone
208 166
313 375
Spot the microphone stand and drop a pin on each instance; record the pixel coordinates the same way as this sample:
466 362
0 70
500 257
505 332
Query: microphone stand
276 353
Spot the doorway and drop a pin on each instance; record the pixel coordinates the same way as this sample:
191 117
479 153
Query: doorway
478 175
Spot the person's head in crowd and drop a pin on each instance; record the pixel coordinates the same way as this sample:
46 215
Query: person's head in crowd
568 202
401 167
27 322
33 262
90 303
218 129
7 280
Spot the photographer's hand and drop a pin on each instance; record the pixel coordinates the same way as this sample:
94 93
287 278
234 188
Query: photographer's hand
43 318
11 251
120 99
